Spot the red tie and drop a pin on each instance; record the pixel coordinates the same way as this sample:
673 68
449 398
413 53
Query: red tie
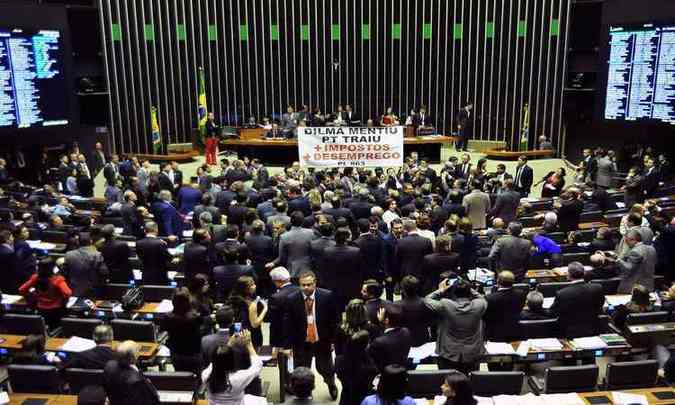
311 326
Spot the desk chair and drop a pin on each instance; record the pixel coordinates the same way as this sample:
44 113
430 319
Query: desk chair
543 328
591 216
566 379
647 317
78 378
83 328
173 381
139 331
530 222
34 379
157 293
557 237
609 286
583 258
551 289
425 383
113 291
16 324
54 236
631 374
491 383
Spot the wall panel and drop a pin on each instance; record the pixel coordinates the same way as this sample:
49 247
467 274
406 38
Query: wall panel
261 55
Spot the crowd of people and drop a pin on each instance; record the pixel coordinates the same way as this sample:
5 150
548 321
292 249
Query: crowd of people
323 255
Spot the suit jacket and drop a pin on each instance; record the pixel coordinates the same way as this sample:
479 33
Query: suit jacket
463 170
419 121
125 385
295 319
569 215
577 307
99 162
511 253
316 249
633 191
392 267
168 219
417 318
434 265
226 276
85 269
372 255
165 182
260 250
116 255
197 258
188 198
211 342
650 182
506 206
502 314
224 198
605 171
130 220
465 119
154 255
25 263
477 204
299 204
360 209
215 214
342 272
11 280
637 267
111 172
410 253
392 347
277 309
92 359
523 180
294 250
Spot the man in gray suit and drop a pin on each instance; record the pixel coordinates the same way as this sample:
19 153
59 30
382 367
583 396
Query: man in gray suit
280 209
224 318
507 203
85 268
636 266
218 232
605 170
294 247
477 205
460 329
511 252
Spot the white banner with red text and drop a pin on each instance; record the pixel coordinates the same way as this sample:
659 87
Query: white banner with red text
327 147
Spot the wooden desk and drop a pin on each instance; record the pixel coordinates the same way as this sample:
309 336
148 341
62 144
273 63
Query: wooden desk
285 150
52 399
568 351
545 275
592 225
507 154
648 392
665 328
13 342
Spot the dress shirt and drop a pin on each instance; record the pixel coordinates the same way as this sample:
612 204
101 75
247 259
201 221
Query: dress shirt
313 297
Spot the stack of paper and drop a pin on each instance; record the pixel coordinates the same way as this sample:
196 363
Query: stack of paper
523 348
546 344
118 231
164 306
188 233
254 400
422 352
499 348
614 300
589 343
624 398
8 299
562 399
77 344
548 302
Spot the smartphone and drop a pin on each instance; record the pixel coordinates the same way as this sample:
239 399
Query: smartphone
237 328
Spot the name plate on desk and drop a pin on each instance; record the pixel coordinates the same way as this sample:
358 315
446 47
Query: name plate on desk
175 397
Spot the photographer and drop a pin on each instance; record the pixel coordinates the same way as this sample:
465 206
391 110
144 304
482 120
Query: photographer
459 344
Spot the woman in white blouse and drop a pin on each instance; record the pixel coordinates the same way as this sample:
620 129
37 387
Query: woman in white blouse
225 383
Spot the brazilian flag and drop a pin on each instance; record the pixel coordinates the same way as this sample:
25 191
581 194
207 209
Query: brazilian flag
156 135
525 134
201 109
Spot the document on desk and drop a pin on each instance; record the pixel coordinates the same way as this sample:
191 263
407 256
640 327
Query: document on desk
614 300
441 400
548 302
624 398
546 344
523 348
254 400
499 348
589 343
8 299
77 344
422 352
164 306
561 399
527 399
176 397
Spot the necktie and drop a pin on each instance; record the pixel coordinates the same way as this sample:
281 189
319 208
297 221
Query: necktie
518 176
311 326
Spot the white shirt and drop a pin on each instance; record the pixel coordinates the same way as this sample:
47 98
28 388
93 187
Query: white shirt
313 297
238 380
389 216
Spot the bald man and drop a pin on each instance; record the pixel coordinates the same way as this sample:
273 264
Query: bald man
122 380
503 310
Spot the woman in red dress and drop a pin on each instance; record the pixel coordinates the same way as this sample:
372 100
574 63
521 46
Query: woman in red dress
211 150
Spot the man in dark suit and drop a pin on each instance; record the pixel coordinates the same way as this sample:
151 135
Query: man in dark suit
338 211
122 380
96 357
98 159
435 264
507 203
411 250
198 257
524 177
262 175
361 207
569 209
503 310
423 119
277 306
226 275
237 210
371 291
393 346
463 169
464 126
177 176
116 256
392 267
511 252
206 206
578 305
311 321
232 242
224 318
298 202
10 282
111 171
351 117
131 223
261 251
166 178
189 196
415 315
342 270
371 246
650 179
154 255
318 246
167 215
84 268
